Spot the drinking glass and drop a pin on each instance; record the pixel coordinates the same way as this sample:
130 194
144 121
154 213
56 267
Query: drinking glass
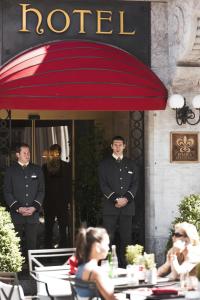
188 283
189 286
184 281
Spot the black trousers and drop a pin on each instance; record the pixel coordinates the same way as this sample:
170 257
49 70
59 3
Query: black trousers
123 224
28 236
49 218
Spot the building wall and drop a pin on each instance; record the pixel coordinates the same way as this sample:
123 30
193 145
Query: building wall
156 139
175 59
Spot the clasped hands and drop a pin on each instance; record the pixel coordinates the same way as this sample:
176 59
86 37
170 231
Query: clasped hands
176 250
121 202
26 211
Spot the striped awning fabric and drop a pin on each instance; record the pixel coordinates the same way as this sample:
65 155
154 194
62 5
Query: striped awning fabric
79 75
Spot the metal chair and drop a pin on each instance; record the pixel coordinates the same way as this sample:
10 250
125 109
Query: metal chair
9 287
79 285
49 277
37 257
50 286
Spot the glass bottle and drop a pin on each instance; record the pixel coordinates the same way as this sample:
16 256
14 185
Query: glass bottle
113 262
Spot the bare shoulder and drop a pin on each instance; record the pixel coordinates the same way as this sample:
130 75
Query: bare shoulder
97 271
90 271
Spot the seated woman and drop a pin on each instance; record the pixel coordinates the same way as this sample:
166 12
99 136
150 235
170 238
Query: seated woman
184 254
92 245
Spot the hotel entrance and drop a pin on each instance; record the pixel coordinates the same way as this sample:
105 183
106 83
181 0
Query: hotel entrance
101 85
85 140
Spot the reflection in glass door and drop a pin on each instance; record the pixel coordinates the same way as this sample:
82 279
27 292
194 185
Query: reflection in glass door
40 135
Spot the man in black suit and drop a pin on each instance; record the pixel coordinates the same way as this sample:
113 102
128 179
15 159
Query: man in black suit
24 193
58 189
118 178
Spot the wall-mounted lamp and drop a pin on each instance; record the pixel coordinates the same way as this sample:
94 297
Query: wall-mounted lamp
183 113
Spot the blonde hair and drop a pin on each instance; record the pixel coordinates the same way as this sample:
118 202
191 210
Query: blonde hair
191 232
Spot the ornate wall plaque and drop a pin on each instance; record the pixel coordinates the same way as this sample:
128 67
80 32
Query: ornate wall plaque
184 147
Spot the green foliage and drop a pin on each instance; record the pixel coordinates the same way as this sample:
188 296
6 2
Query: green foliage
149 260
189 211
90 150
134 254
198 271
10 256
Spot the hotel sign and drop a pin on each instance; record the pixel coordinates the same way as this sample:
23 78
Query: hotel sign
125 24
103 18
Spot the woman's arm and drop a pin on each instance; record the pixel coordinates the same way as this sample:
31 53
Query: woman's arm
191 259
104 284
165 268
185 267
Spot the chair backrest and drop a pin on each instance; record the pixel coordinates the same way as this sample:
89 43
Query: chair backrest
52 283
44 257
49 277
82 290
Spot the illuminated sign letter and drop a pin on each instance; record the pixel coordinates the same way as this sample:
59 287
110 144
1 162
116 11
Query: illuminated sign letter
82 20
100 18
121 14
39 16
67 18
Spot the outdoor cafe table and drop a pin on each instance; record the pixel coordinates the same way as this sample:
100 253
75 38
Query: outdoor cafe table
122 285
143 290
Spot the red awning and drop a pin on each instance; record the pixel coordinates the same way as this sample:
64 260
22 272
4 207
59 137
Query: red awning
79 75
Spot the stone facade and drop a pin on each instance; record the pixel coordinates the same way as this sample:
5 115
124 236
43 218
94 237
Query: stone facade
176 60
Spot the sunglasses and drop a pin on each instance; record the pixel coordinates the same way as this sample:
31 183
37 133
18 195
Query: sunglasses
177 234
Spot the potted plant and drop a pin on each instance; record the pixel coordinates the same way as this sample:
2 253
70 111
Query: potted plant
134 254
135 267
11 259
142 264
149 261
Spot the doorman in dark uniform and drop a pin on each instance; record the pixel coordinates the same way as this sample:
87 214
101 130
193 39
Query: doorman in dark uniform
58 189
24 193
119 180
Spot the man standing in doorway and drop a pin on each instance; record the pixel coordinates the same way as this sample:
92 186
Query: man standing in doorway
24 193
118 176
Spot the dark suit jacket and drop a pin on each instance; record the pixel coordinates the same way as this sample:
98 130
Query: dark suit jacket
24 188
58 189
118 180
